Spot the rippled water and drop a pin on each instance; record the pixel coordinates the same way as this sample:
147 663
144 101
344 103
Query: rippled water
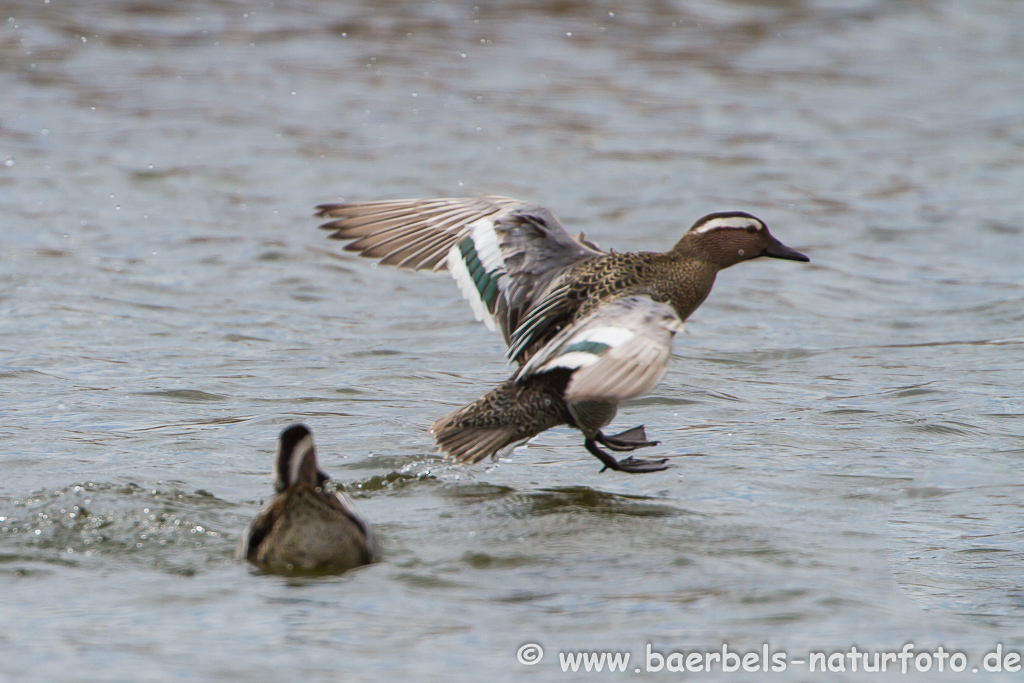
845 436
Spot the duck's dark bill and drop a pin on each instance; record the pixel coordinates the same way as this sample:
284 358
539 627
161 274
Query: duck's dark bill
777 249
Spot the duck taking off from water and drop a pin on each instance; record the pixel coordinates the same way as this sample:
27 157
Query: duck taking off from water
588 328
303 526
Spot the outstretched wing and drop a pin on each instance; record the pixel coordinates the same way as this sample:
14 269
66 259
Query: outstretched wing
409 233
617 352
504 254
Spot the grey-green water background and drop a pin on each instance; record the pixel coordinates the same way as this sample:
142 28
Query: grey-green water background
846 436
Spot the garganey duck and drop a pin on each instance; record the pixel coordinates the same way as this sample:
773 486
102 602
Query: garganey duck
588 328
303 527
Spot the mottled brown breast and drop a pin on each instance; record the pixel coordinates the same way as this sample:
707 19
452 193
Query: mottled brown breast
681 281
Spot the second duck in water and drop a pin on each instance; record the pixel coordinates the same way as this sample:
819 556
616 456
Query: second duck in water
589 328
303 526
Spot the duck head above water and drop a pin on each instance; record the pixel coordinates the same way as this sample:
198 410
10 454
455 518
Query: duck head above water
726 238
296 459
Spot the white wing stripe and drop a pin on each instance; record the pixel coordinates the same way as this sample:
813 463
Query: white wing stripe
457 267
612 336
485 241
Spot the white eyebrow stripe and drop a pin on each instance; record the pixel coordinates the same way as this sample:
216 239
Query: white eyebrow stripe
734 222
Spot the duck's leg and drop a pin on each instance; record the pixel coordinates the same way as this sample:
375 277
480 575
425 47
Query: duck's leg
630 464
629 440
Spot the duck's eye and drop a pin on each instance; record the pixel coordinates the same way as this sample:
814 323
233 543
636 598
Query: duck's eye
751 229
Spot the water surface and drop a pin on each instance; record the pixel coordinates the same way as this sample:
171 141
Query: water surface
845 435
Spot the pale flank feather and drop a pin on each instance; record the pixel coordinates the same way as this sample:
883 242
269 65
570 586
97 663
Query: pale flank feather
618 352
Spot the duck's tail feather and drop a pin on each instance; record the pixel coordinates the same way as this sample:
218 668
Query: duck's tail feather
470 444
507 414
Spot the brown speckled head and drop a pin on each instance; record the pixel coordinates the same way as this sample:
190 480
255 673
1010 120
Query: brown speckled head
728 237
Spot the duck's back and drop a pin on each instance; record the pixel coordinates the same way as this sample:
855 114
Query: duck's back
308 532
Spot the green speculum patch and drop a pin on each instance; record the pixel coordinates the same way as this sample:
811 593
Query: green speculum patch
486 283
596 348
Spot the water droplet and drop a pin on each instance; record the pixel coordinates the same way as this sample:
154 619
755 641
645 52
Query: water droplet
9 162
568 34
45 131
84 40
